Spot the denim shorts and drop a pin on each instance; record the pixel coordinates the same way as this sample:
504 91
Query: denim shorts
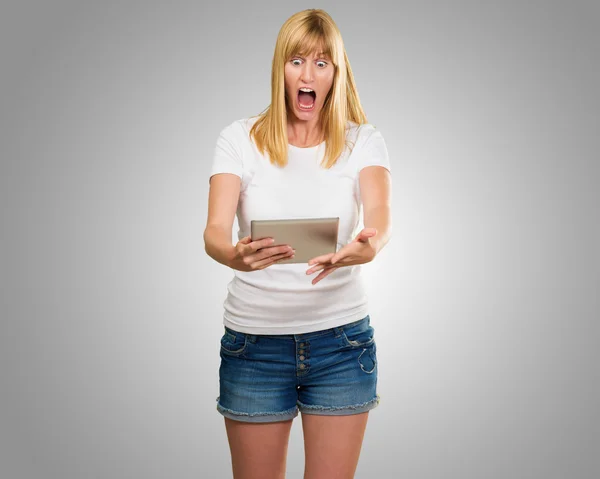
268 378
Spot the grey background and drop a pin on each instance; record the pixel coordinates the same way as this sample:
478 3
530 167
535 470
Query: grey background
485 303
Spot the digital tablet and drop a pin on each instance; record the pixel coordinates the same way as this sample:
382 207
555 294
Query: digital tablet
310 237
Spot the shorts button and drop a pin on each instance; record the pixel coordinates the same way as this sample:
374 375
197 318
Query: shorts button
301 358
301 345
302 366
301 351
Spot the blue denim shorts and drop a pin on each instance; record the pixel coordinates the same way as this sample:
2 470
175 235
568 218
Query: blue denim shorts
268 378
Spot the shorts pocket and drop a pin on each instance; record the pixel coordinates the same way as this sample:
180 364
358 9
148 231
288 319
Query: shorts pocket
233 342
359 335
368 359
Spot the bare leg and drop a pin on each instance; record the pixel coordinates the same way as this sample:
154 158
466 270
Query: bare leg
332 445
258 450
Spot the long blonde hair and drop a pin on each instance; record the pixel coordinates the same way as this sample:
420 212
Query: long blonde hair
303 33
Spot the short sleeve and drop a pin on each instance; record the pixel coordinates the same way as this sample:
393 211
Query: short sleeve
373 151
227 156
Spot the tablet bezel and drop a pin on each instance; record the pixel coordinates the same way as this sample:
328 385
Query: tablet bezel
310 237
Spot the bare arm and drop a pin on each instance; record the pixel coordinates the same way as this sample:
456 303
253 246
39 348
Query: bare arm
375 190
223 198
246 255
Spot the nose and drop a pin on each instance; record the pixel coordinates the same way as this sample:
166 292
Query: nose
307 73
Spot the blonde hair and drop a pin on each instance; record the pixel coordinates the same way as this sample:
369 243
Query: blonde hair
302 34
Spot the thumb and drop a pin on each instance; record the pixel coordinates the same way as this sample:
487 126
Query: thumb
246 240
365 234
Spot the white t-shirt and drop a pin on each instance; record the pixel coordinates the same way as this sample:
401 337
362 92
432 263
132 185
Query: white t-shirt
281 299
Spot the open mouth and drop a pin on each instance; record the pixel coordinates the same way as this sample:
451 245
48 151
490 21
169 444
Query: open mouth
306 99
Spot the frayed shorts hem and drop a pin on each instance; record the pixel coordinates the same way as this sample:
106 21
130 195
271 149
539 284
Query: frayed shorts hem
259 416
300 407
339 411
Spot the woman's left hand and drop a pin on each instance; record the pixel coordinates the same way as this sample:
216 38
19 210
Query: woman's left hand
358 251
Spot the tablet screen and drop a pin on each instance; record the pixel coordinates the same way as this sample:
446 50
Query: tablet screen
310 237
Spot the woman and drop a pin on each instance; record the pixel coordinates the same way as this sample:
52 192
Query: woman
291 344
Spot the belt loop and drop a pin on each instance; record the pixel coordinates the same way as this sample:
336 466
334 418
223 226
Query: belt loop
338 331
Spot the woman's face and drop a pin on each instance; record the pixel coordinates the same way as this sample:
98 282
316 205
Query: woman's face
314 72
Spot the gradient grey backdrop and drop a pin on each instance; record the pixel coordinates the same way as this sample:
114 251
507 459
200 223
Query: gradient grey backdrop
485 303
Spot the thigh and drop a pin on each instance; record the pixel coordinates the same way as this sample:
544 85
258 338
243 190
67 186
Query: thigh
258 450
257 398
332 445
335 397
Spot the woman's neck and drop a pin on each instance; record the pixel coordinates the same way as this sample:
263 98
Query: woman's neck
304 135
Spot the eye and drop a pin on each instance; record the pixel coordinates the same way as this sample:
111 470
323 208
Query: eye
295 60
324 63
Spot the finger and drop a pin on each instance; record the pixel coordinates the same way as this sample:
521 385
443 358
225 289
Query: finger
338 256
321 259
262 264
346 256
261 243
270 249
321 267
316 268
343 253
365 234
323 274
267 252
243 246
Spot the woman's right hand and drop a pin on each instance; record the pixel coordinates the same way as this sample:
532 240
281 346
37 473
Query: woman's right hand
255 255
